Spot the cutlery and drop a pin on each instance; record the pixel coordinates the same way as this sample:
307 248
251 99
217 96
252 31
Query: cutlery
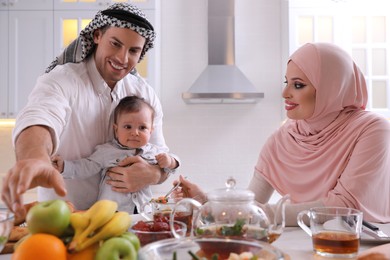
171 190
164 199
375 229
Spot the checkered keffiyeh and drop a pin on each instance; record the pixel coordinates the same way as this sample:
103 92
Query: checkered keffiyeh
120 15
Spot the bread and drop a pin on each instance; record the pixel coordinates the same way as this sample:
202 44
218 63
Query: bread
8 248
17 233
373 256
21 219
381 252
71 206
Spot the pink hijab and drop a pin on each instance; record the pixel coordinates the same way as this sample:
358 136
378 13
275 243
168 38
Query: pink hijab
340 155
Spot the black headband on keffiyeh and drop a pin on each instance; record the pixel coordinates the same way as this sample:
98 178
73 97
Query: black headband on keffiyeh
120 15
131 18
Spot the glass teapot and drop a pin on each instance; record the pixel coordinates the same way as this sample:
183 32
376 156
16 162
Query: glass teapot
234 213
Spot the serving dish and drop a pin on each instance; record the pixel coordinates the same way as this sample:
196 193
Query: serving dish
180 249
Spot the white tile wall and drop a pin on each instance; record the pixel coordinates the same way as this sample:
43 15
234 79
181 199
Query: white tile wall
213 141
217 141
7 156
7 159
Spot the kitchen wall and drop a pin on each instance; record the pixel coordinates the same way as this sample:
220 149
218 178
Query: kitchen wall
217 141
7 156
214 141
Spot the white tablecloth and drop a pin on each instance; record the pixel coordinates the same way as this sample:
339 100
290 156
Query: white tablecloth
296 243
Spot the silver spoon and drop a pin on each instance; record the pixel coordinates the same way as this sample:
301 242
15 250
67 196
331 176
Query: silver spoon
171 190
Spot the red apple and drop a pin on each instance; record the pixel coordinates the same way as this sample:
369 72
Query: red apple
51 217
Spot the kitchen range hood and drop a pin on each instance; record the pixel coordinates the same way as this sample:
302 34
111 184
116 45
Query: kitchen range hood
221 81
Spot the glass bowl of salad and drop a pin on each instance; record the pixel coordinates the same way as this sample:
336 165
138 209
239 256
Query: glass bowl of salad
209 249
6 225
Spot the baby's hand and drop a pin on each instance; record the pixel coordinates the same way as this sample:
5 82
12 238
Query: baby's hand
164 160
57 162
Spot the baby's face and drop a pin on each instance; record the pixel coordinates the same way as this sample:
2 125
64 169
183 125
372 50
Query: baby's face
134 129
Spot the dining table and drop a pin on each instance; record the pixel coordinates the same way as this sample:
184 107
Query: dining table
297 245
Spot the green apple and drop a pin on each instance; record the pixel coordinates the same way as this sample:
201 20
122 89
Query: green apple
116 248
51 217
132 238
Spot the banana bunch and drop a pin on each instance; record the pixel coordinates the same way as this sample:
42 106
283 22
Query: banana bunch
100 222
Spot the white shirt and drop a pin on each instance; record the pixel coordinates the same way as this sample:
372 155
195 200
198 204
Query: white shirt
75 102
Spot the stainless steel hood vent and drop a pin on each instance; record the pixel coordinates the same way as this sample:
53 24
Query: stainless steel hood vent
221 81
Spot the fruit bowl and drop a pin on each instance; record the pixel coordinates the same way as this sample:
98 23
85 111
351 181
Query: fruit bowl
151 231
207 248
6 224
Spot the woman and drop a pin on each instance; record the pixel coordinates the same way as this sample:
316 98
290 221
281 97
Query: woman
330 151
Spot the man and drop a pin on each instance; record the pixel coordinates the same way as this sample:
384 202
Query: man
69 112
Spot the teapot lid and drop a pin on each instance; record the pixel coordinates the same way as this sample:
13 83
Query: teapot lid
230 193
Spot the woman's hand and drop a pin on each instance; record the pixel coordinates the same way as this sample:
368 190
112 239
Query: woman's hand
188 189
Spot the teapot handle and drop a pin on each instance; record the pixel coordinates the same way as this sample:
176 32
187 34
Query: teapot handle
194 203
280 211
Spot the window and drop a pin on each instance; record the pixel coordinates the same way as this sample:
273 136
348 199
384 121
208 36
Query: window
71 28
361 27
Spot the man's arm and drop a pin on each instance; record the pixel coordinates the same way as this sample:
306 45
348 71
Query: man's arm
32 168
34 142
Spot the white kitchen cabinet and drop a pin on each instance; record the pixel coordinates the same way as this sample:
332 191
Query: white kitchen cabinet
98 4
26 4
77 14
21 51
75 20
25 51
3 64
31 36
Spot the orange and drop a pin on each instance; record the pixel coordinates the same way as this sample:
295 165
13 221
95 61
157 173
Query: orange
86 254
40 246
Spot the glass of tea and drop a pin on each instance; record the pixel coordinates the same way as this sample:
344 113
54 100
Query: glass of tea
335 231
